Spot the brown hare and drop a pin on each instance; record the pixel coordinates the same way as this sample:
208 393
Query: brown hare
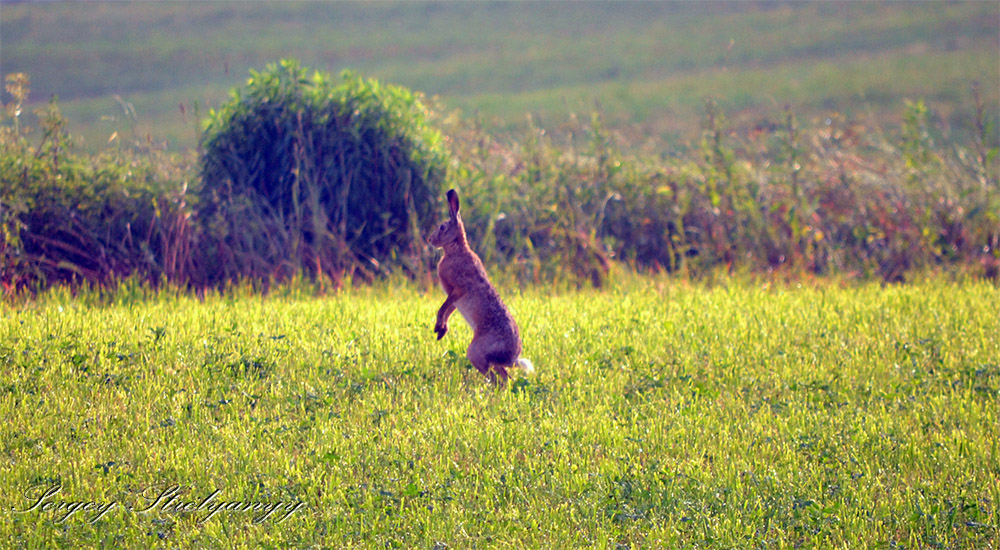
496 344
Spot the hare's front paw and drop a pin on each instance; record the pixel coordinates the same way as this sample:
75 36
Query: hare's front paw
441 330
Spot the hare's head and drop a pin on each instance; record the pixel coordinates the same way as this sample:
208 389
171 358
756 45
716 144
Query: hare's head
452 229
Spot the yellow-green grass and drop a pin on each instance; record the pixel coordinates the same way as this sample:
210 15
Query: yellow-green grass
662 415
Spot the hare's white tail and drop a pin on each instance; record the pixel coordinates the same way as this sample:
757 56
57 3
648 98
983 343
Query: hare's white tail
526 365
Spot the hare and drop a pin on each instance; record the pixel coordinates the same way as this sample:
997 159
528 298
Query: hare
496 343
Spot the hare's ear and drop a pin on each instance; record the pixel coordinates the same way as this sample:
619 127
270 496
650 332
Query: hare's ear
453 203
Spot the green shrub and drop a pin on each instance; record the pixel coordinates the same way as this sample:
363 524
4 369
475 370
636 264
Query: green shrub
303 176
69 218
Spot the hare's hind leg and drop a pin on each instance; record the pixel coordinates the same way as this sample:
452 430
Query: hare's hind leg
479 355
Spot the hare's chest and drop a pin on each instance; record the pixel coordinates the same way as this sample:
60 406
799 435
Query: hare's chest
464 307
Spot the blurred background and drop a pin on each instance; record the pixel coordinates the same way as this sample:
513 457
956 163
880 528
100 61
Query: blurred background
129 67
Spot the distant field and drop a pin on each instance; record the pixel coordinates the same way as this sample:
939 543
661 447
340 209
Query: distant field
649 64
662 415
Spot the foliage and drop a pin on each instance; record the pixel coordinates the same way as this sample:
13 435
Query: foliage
829 197
299 175
662 415
833 197
72 218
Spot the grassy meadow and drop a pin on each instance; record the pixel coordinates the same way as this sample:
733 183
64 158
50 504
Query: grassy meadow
663 414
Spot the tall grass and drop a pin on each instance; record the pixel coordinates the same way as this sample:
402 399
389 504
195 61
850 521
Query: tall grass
833 196
830 196
78 218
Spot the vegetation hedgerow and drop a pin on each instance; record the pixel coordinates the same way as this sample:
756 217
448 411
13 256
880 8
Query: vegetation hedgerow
832 197
75 218
827 197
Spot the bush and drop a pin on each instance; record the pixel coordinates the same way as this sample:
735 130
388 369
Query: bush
69 218
302 176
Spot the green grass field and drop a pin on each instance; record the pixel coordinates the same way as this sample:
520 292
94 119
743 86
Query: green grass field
645 63
663 414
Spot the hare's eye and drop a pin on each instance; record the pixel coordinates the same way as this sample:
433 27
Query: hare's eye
442 227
